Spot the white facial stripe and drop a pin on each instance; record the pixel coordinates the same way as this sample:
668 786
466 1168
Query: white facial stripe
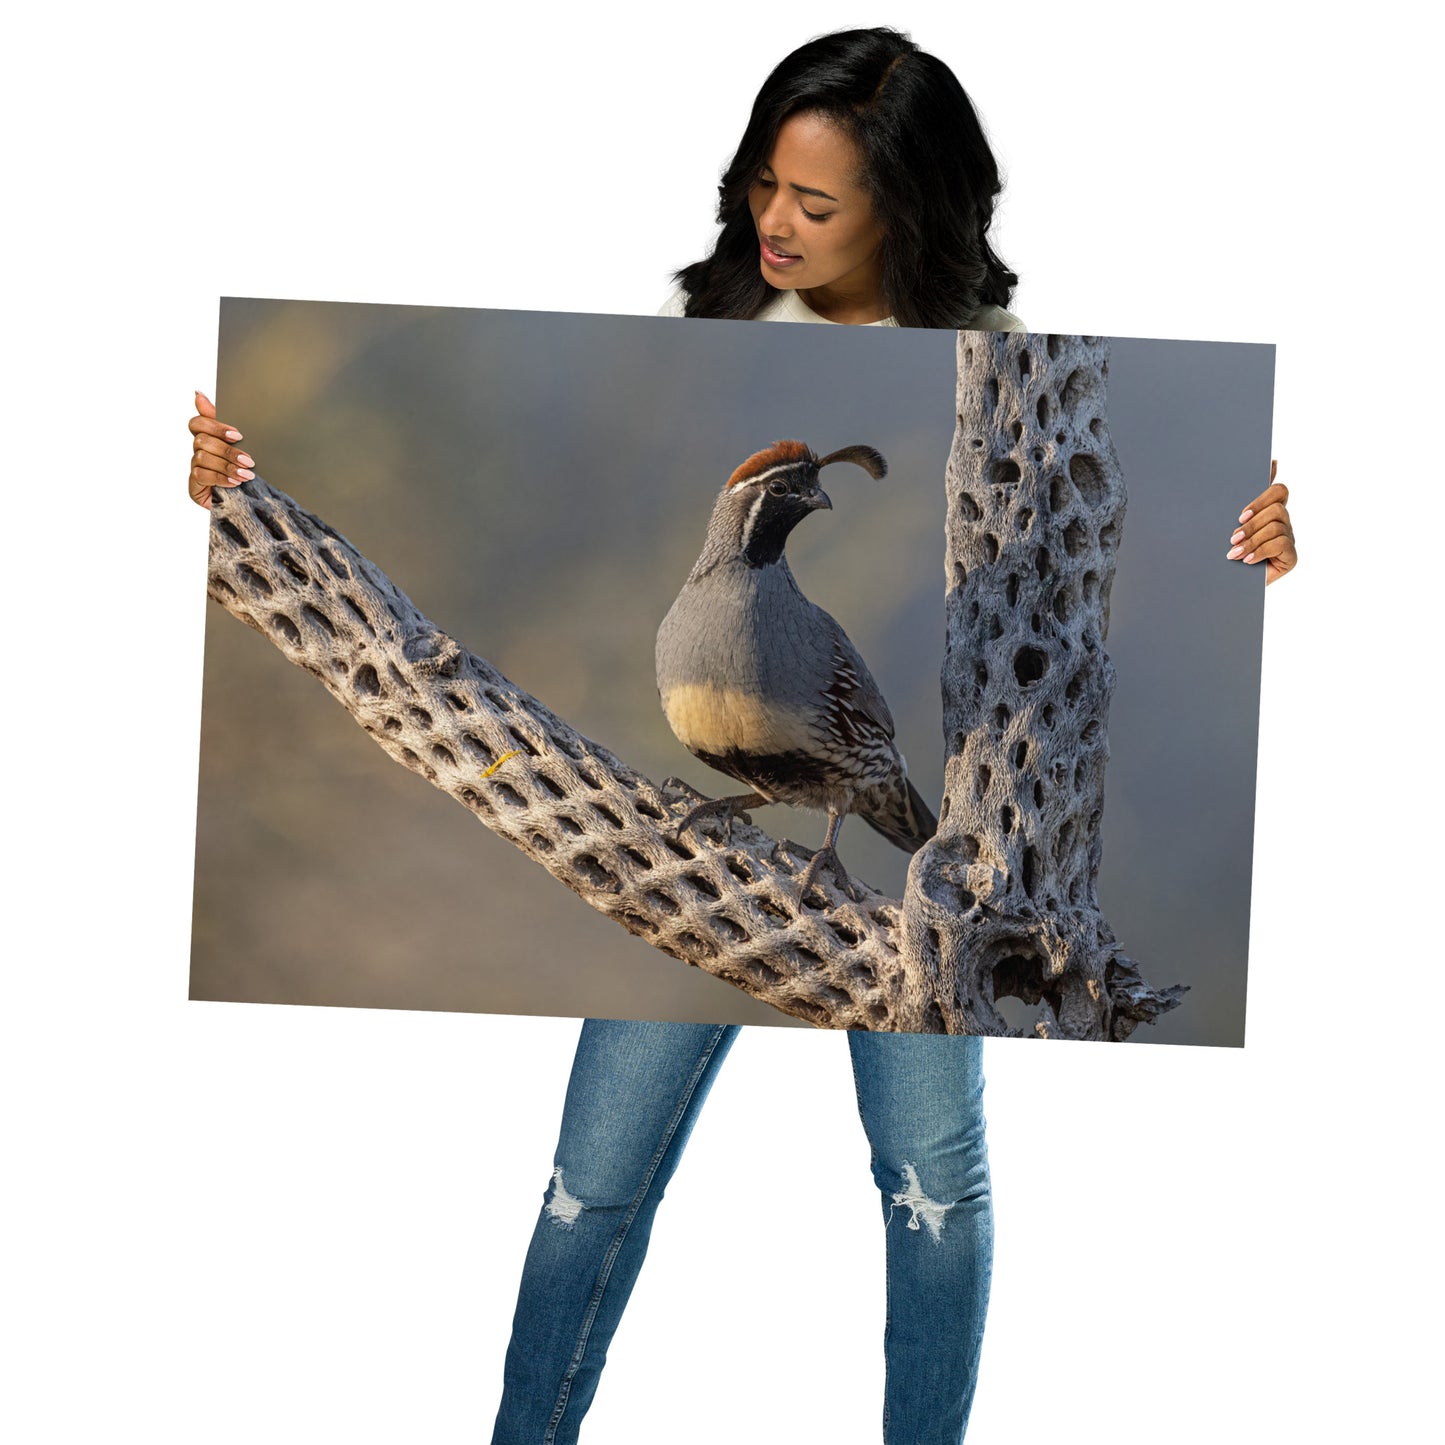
748 525
773 472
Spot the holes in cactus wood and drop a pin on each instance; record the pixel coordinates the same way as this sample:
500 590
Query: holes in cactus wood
267 518
551 785
596 872
232 533
1025 363
981 779
1001 717
420 716
523 742
1025 516
704 886
1061 604
990 548
1043 563
364 680
318 620
968 846
254 581
1021 754
1005 472
1030 664
638 857
945 809
509 795
727 927
477 748
443 755
396 676
663 902
649 809
570 825
542 843
1061 494
337 566
288 629
968 508
1092 729
739 867
1011 589
1076 389
1047 715
1076 537
1039 793
392 725
1088 476
990 396
297 573
774 909
638 922
1043 408
1075 686
1054 345
993 631
603 811
1109 536
1030 870
1006 819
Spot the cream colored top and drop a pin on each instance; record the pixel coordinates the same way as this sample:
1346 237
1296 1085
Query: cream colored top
789 306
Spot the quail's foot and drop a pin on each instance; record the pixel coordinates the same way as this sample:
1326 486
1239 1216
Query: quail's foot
827 856
728 807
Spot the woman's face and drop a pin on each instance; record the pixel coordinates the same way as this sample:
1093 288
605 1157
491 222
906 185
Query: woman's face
816 226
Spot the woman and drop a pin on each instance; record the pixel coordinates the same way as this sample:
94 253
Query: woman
861 194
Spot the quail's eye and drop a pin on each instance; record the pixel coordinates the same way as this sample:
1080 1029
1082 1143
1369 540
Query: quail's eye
777 487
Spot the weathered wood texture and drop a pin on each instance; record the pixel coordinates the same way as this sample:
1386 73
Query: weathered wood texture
1002 901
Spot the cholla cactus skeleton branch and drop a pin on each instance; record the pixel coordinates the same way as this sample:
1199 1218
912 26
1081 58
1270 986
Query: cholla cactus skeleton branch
593 822
978 920
1002 900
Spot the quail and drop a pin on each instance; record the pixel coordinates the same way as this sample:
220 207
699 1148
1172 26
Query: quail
762 684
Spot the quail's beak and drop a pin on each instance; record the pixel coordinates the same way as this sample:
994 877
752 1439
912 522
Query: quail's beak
818 499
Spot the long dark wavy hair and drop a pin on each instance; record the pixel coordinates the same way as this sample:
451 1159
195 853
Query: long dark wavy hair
928 170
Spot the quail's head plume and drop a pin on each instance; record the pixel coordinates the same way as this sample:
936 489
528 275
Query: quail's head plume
765 686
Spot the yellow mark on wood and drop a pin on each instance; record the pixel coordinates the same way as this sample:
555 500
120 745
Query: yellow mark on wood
515 753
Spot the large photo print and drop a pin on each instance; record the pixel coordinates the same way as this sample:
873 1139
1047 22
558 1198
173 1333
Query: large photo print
665 606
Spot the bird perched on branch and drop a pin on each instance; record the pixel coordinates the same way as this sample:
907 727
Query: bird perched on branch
764 685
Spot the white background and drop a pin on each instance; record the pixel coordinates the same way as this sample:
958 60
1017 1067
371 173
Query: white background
231 1223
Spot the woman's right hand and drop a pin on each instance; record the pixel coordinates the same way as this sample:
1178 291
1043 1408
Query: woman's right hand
214 462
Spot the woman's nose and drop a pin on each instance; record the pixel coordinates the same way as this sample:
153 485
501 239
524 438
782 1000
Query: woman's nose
774 220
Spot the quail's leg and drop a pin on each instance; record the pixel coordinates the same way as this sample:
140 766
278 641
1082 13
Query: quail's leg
726 806
828 854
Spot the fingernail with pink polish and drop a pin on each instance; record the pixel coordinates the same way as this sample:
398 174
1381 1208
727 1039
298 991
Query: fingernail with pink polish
246 475
1238 536
232 435
1246 514
246 461
1235 552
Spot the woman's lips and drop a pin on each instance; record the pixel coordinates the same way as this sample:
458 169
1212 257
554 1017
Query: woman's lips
779 259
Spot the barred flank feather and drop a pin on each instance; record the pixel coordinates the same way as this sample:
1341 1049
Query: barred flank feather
896 809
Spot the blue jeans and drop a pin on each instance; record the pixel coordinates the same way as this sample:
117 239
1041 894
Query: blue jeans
635 1092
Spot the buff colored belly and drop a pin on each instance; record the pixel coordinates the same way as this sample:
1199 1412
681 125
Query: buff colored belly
718 720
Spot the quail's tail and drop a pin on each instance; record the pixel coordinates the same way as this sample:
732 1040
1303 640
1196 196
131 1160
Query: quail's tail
896 809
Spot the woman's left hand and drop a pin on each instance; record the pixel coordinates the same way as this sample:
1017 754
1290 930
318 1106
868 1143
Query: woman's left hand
1265 534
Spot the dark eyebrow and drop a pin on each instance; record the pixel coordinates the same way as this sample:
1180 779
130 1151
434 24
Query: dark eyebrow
808 190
